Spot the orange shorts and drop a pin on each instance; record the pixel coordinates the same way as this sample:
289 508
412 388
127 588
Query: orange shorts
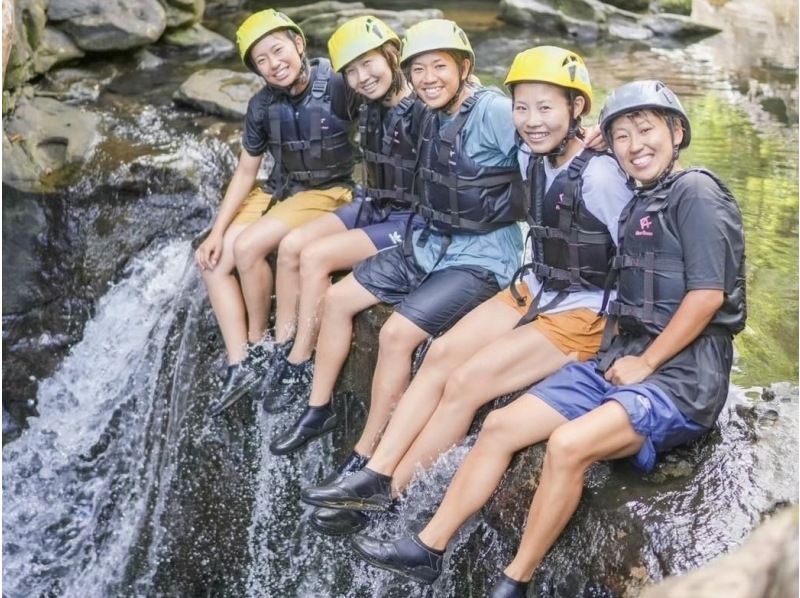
576 331
295 210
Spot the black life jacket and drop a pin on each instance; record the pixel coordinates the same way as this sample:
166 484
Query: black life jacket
458 195
572 249
650 268
310 144
389 146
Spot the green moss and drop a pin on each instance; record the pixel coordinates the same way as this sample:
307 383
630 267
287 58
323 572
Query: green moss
680 7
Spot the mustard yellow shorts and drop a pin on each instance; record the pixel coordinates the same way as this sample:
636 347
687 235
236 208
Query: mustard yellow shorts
296 209
577 331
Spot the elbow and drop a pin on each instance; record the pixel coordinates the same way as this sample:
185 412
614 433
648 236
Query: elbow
712 300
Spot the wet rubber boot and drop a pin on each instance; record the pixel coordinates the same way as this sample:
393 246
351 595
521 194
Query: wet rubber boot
406 556
338 522
241 378
365 490
274 369
509 588
292 385
312 423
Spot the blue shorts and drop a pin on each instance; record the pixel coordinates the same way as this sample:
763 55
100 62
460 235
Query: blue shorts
384 230
434 301
578 388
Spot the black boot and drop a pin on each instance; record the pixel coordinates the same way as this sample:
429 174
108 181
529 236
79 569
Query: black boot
406 556
242 377
338 522
274 369
509 588
312 423
365 490
291 385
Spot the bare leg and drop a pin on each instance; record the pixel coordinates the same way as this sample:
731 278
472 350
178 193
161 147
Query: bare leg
287 278
604 433
398 338
525 422
226 298
252 247
341 303
317 262
487 322
518 359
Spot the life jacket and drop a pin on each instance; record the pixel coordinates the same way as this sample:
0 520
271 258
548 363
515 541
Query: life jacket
310 144
650 268
572 249
458 195
389 146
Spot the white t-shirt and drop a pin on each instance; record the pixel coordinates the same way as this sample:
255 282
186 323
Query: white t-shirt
605 194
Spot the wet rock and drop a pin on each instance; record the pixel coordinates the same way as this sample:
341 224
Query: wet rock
677 26
634 5
219 91
183 12
765 565
56 47
8 31
49 137
591 19
206 42
30 17
679 7
24 227
320 19
101 25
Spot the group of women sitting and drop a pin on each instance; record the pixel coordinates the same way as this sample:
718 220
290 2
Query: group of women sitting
619 323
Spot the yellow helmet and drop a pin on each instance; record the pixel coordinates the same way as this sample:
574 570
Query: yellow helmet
551 64
435 34
257 26
356 37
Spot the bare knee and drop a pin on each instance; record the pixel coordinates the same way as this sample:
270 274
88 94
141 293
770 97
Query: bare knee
437 354
337 303
456 391
245 252
566 450
394 338
496 431
313 262
290 248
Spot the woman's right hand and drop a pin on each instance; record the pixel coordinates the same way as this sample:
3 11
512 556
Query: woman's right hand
208 253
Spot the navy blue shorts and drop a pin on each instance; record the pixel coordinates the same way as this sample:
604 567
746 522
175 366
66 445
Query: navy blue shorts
434 301
383 230
578 388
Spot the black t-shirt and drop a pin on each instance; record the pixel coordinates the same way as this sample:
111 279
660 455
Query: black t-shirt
709 227
344 104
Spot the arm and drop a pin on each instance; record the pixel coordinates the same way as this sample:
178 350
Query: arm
244 177
694 313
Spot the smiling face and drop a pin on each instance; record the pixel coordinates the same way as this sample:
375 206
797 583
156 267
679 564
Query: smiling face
278 58
541 115
436 77
643 144
370 75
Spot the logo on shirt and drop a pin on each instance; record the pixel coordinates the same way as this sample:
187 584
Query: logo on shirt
395 237
645 224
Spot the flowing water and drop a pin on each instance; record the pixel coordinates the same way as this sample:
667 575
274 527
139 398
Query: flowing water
120 487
